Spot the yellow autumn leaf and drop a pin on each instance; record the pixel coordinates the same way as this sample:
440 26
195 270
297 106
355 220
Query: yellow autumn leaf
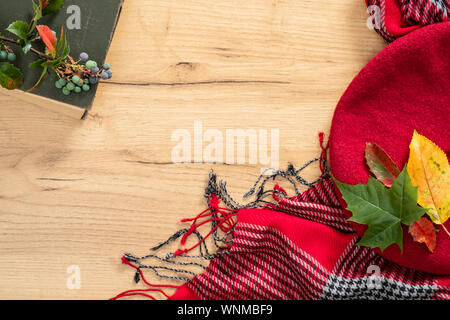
429 170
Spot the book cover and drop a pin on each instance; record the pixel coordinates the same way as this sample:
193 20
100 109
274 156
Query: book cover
88 26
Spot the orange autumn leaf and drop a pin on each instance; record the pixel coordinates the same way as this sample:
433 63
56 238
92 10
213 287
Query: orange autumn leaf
423 231
429 170
47 37
71 59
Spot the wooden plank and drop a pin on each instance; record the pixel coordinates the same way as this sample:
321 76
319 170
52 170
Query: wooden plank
84 192
49 104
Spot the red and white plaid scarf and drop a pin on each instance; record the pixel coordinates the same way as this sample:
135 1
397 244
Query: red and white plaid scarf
306 250
396 18
302 248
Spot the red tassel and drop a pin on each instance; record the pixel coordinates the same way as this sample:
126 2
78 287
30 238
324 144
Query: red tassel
277 188
154 288
222 221
214 201
323 155
225 222
130 293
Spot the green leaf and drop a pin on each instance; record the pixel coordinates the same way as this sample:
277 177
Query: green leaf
10 77
37 14
383 210
26 46
52 7
39 82
37 64
37 9
66 49
61 40
52 63
19 28
62 45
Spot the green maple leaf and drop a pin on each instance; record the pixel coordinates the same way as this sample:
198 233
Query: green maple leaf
383 210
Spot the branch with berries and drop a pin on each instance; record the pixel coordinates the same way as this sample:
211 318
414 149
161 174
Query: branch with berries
73 75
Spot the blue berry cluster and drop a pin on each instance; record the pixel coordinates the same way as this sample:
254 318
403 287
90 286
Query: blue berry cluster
8 55
96 72
88 75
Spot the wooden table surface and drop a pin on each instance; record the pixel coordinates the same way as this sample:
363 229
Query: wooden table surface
84 192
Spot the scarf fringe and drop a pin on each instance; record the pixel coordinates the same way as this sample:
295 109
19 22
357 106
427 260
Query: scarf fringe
222 223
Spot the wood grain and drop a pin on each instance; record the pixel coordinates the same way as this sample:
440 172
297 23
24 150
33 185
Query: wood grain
84 192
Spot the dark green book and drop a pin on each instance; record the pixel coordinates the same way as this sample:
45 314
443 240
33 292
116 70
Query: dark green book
89 26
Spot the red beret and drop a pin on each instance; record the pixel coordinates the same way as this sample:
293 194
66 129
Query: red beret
404 87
